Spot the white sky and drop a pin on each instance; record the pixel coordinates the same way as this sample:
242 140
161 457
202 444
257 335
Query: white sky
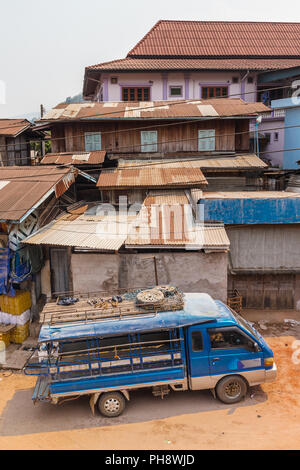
45 45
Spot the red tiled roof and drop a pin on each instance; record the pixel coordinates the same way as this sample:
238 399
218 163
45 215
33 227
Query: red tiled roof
219 38
195 64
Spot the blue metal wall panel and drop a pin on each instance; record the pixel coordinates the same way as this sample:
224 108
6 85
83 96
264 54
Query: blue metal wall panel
118 380
252 211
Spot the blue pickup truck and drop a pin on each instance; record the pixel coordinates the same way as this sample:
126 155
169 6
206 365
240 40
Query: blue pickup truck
205 345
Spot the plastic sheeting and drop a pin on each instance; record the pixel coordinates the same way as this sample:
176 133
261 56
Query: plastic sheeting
5 280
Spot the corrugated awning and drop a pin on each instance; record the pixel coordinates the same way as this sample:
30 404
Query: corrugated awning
75 158
152 176
23 189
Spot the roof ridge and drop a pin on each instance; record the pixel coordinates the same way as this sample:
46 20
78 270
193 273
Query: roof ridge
226 21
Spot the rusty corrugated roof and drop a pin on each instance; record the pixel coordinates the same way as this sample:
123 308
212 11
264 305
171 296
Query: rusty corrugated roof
13 127
24 188
166 225
75 158
246 161
151 177
219 38
221 107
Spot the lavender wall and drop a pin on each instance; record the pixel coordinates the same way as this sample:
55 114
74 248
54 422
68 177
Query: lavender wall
190 82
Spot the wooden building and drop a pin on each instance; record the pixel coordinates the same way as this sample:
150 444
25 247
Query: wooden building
15 137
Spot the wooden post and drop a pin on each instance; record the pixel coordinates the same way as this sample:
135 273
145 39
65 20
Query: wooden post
155 270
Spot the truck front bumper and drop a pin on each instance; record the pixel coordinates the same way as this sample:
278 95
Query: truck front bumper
271 374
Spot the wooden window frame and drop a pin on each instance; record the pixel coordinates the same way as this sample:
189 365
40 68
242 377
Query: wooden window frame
214 89
127 92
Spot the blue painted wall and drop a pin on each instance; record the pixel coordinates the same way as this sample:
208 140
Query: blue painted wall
251 211
291 136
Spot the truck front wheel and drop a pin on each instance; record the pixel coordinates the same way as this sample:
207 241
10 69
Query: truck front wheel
111 404
231 389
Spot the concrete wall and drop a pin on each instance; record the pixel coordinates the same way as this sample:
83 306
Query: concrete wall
46 279
190 271
94 272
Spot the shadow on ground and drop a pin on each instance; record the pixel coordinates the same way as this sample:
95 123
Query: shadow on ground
21 417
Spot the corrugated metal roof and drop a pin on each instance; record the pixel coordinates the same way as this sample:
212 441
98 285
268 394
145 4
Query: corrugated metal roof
13 127
151 177
167 225
216 161
148 229
134 64
169 197
83 231
250 195
221 107
75 158
219 38
26 187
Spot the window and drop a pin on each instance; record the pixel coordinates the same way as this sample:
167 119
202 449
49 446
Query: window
276 135
226 338
148 141
206 140
175 90
113 80
156 342
92 141
197 342
214 92
135 94
235 79
265 95
250 79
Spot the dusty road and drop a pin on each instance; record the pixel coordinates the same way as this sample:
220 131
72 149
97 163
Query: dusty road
269 418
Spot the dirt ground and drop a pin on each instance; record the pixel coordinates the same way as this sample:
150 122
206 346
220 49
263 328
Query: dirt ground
269 418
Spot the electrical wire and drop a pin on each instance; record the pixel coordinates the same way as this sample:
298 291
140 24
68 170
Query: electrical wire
166 103
220 136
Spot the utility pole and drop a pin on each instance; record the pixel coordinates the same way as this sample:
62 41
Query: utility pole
43 148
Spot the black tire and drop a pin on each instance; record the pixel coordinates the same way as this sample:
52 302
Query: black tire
231 389
111 404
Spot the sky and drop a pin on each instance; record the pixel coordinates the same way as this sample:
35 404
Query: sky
45 46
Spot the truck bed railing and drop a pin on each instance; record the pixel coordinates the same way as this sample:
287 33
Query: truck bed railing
96 360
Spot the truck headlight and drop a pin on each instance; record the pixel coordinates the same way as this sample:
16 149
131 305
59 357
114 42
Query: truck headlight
269 361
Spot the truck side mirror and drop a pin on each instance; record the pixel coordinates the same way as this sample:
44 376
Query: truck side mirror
253 346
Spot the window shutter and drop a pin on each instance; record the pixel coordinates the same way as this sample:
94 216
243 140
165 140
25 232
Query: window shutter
206 140
92 141
149 141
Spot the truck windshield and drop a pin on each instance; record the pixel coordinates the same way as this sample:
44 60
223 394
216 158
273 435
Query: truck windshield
241 321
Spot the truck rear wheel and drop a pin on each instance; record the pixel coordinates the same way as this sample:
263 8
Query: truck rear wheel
231 389
111 404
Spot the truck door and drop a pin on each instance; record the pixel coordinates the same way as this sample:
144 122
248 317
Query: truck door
197 341
233 351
